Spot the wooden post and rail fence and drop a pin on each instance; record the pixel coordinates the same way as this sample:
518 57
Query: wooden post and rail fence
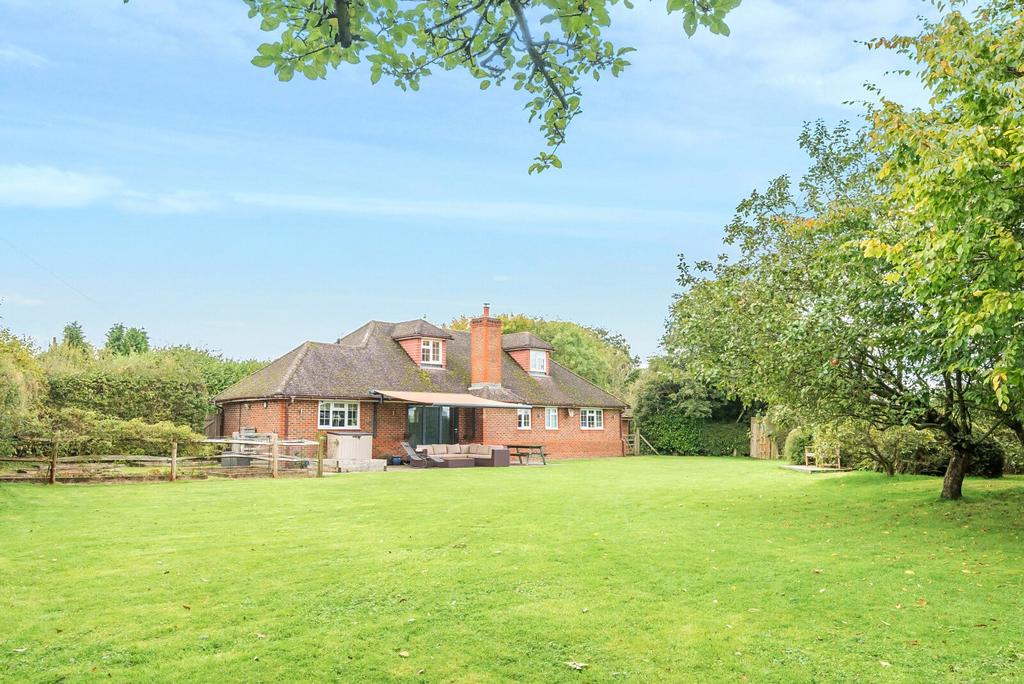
50 463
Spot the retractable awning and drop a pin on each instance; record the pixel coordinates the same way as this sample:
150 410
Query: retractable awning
446 399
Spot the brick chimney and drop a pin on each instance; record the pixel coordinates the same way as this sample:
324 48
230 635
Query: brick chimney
485 350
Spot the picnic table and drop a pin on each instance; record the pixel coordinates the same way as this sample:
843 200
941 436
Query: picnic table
522 451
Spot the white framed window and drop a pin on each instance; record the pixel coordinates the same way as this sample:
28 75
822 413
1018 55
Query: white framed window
551 418
538 361
339 414
523 419
430 352
591 419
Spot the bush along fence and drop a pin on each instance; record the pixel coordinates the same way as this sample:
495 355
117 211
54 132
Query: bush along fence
673 434
247 456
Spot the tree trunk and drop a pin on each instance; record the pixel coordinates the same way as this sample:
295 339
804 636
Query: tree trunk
952 483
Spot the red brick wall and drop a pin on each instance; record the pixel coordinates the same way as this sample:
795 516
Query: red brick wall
298 420
568 441
522 357
253 414
413 348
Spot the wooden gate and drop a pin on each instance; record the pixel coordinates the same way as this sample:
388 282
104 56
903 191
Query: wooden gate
762 439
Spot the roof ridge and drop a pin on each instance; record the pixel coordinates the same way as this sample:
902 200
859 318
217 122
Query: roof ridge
302 349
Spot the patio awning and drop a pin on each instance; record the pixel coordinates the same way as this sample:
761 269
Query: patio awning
446 399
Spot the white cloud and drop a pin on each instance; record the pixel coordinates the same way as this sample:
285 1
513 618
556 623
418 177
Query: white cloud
46 187
20 56
517 212
178 202
807 49
16 299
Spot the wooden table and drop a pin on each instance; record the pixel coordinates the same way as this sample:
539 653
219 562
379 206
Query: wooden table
527 450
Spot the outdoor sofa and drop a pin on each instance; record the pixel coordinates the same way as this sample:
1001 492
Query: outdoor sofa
463 455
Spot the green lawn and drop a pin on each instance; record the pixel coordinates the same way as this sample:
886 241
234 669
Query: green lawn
646 569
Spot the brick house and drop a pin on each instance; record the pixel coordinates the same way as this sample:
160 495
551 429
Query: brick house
417 382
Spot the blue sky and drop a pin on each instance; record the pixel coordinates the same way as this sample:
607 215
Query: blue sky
149 174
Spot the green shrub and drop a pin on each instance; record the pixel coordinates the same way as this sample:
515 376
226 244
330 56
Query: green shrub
673 434
989 459
797 441
152 397
84 432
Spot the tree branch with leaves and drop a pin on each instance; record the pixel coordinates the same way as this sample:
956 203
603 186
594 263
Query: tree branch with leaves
542 47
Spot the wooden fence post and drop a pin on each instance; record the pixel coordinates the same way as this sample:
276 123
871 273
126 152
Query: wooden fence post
52 478
174 460
273 455
320 455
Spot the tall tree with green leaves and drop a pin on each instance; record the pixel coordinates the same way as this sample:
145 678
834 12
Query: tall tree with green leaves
124 341
954 227
802 318
74 336
543 47
22 387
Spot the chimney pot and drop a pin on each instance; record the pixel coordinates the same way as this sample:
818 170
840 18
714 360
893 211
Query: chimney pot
487 310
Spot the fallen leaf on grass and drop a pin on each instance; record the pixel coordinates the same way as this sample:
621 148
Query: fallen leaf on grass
576 666
186 606
921 602
885 663
403 654
261 635
20 650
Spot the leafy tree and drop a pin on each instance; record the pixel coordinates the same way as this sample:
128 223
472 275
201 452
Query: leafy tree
665 387
22 387
678 413
543 47
601 357
802 318
74 335
218 373
123 341
954 228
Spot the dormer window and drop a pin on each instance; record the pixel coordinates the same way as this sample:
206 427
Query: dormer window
538 361
430 352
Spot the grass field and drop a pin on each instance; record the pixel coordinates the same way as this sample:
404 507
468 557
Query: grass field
647 569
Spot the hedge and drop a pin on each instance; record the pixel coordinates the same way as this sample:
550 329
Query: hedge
673 434
146 396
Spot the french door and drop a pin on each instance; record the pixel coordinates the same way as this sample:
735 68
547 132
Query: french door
432 425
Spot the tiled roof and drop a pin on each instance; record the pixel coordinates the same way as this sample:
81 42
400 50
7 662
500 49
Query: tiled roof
418 328
369 358
523 340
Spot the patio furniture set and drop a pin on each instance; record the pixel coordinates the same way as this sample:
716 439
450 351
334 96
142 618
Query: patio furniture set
469 455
